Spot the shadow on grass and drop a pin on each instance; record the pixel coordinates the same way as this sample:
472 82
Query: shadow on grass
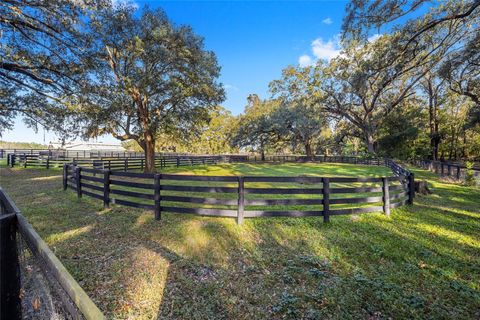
420 263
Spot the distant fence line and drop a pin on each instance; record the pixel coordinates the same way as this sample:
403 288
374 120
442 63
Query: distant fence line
446 169
30 270
125 164
243 196
57 153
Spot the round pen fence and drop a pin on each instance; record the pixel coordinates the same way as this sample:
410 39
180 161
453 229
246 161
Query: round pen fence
243 196
129 162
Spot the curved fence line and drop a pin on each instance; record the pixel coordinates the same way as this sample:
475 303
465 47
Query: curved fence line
243 196
169 160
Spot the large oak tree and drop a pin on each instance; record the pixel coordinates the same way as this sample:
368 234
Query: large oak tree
149 77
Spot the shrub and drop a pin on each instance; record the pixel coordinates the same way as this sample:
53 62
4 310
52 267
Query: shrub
469 174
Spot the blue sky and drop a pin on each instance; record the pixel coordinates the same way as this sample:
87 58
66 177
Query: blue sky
253 41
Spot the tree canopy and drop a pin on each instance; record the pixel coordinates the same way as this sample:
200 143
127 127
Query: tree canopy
42 51
406 82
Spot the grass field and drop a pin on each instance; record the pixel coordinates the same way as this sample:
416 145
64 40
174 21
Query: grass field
422 262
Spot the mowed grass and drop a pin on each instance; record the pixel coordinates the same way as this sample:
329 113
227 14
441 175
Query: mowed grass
285 169
422 262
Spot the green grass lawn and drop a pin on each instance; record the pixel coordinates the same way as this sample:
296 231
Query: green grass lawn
422 262
286 169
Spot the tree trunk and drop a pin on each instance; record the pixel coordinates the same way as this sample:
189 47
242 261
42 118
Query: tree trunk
433 105
433 122
370 141
308 149
149 152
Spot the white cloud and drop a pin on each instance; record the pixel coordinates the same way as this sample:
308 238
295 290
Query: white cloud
325 49
327 21
374 37
231 87
305 61
122 3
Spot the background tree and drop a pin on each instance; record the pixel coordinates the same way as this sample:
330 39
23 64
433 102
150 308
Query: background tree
433 88
404 133
256 129
215 136
149 78
462 72
300 113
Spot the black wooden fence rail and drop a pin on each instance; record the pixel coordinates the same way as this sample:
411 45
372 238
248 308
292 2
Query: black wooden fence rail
446 169
303 158
53 277
132 163
244 196
123 164
82 153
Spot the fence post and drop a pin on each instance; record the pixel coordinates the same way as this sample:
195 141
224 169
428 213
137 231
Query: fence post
156 185
178 162
241 199
106 189
78 178
48 162
10 303
65 175
449 169
411 188
386 197
442 169
458 172
126 165
24 160
326 199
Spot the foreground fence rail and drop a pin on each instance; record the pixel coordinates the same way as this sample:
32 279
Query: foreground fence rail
29 272
243 197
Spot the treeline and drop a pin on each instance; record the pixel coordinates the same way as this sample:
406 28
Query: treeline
99 67
412 93
21 145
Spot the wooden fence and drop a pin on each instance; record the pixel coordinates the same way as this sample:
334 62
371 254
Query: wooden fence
123 164
303 158
132 163
446 169
243 196
82 153
48 273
